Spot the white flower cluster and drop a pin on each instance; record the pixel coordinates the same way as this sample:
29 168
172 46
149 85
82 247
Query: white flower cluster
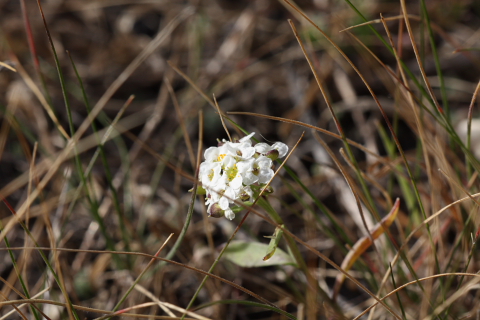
230 170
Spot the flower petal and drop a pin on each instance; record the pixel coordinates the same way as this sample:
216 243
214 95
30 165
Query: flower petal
229 214
262 148
281 147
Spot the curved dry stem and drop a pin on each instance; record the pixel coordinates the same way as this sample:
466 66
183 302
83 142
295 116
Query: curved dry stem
221 118
369 178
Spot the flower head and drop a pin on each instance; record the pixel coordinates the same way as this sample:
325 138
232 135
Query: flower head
231 170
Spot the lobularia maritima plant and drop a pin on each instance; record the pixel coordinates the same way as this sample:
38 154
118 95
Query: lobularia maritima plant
236 171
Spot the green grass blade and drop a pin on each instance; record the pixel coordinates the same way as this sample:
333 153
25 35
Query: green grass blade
436 59
108 174
404 316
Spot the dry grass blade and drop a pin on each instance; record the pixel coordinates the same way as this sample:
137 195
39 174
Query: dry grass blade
220 113
469 122
20 313
417 55
152 261
8 314
182 122
472 285
192 83
126 310
167 306
317 79
414 282
41 98
364 243
6 65
458 185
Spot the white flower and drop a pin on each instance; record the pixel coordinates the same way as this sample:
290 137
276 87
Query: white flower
263 169
247 194
231 173
228 197
217 154
245 147
246 169
221 193
282 149
209 174
230 170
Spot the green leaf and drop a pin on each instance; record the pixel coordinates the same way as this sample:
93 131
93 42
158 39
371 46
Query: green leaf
250 254
274 240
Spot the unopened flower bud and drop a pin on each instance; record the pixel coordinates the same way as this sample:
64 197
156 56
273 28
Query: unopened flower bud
244 196
215 211
268 190
220 143
272 154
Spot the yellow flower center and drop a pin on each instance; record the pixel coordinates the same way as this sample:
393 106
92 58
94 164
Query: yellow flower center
221 156
211 174
232 172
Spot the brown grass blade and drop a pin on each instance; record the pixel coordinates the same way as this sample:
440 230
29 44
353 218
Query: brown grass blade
363 244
